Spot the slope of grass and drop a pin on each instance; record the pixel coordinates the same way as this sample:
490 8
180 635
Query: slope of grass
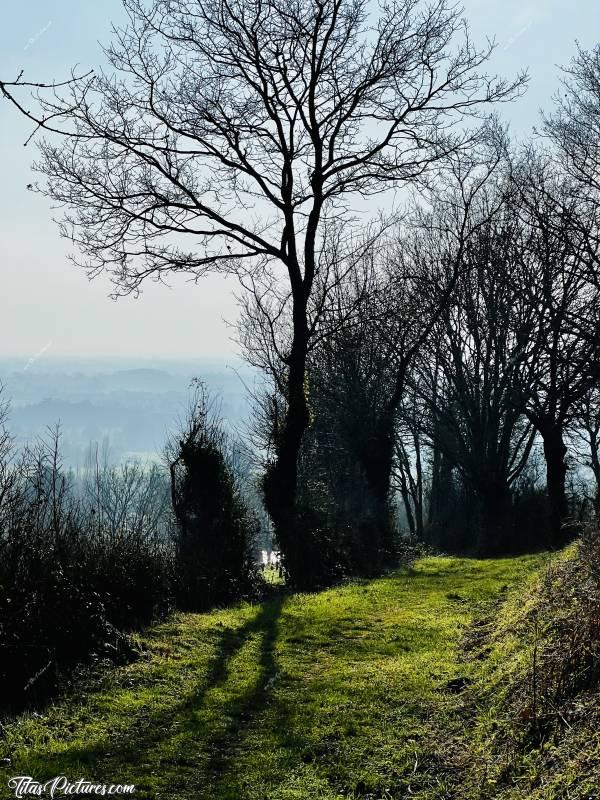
534 732
338 694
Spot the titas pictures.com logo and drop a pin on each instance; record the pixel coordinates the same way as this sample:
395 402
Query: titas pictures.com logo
24 786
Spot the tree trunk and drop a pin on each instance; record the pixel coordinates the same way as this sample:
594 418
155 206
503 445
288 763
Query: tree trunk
555 452
281 480
496 519
419 495
407 500
376 457
440 524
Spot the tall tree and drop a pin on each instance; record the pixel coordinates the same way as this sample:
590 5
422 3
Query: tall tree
227 133
563 352
470 377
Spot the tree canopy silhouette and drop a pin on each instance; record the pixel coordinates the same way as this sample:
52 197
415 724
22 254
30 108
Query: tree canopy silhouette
230 135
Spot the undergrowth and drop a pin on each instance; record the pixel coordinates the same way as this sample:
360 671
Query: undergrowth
532 715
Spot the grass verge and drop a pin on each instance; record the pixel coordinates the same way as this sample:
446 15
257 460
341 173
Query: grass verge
532 714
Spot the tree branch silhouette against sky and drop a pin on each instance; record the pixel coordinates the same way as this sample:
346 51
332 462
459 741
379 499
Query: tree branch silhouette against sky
75 316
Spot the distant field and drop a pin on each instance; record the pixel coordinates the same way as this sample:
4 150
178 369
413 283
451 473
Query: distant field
340 694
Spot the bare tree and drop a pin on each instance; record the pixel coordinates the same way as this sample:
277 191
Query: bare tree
470 376
228 133
378 316
562 354
574 131
8 474
127 500
574 126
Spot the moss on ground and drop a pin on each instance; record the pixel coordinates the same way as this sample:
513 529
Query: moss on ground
354 692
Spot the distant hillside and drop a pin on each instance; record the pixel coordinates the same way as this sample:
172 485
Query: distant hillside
132 405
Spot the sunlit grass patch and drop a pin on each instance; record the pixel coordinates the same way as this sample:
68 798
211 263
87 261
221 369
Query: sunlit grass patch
327 695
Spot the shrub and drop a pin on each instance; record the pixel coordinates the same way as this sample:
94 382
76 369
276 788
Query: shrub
214 527
536 695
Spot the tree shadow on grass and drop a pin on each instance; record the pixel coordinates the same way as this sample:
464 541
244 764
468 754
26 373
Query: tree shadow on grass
172 752
246 708
205 763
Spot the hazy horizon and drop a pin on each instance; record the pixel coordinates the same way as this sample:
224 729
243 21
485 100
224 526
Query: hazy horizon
132 404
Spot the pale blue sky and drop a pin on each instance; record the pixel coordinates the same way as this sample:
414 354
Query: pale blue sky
48 304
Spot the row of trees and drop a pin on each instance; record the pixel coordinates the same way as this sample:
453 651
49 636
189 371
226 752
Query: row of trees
252 136
474 338
450 350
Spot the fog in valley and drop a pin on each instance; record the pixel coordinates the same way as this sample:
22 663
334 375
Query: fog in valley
127 406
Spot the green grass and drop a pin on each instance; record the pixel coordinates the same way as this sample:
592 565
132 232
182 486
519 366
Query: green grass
534 733
339 694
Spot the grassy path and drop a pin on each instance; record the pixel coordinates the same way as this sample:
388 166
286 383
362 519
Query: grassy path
332 695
